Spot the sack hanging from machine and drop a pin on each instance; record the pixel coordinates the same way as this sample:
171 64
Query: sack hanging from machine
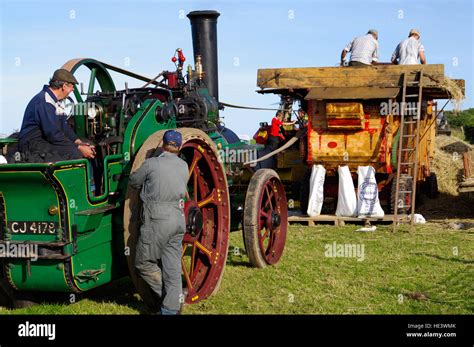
368 203
316 190
346 198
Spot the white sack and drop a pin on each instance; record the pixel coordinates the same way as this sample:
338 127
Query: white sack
368 203
346 198
316 190
418 218
367 229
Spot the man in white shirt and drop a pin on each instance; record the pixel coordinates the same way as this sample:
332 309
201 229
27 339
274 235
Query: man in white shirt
364 50
409 50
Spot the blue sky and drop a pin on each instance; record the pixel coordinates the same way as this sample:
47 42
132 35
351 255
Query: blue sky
37 37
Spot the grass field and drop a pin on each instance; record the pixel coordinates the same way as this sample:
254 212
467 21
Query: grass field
427 271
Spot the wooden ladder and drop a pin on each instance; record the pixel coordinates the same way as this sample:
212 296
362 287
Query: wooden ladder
407 157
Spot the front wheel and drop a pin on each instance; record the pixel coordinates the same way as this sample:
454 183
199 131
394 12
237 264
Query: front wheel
265 218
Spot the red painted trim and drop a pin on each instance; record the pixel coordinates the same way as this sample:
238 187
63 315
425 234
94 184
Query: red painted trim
332 122
309 158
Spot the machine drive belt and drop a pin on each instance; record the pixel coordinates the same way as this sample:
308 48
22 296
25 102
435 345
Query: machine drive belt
251 108
290 142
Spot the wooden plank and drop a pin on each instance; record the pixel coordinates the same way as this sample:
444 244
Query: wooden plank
468 182
352 72
338 221
466 189
364 93
377 76
440 93
467 164
334 72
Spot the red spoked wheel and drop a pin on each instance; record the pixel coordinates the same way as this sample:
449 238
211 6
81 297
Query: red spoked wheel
207 214
265 218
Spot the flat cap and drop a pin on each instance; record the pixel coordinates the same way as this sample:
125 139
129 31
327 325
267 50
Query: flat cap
64 75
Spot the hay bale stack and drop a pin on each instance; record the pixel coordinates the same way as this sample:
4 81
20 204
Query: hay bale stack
448 163
454 91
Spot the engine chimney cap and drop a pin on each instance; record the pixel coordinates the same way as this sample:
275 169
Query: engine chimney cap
204 14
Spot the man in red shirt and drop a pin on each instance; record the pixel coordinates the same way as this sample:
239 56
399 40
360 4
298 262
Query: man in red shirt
275 130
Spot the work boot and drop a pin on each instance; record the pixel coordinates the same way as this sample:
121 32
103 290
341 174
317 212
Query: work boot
181 307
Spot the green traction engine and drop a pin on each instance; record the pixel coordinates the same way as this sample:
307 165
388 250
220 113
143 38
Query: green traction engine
72 226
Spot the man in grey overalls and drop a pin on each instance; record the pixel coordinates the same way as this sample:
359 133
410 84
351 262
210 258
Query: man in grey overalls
163 182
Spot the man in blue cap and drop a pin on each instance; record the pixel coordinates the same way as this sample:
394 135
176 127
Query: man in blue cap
163 181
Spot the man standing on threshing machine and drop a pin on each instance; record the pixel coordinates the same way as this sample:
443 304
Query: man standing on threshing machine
303 116
45 135
163 181
364 50
409 50
276 134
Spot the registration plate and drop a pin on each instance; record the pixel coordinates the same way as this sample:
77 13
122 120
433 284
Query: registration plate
33 228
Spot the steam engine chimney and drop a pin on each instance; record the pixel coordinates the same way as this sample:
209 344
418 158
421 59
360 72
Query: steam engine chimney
204 33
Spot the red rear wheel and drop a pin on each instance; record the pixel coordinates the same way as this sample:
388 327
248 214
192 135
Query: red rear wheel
207 216
265 218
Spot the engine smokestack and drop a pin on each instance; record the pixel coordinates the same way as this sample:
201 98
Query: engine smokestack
204 33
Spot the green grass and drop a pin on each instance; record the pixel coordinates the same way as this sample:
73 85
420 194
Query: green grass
396 266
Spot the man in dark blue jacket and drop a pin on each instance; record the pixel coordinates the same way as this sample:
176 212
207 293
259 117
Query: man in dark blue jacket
45 135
